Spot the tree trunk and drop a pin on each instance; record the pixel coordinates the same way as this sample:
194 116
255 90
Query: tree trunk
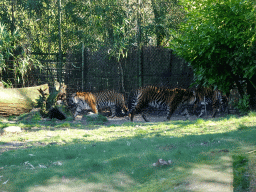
251 91
16 101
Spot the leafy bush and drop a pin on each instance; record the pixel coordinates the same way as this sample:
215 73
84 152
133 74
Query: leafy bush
7 84
217 39
252 114
13 48
47 102
243 105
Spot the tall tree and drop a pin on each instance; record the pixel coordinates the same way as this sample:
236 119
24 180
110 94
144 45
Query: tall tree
167 14
218 40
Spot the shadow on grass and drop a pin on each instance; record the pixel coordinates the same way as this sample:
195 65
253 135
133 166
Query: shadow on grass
126 164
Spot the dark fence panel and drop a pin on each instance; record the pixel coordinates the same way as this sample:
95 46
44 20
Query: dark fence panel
98 71
150 66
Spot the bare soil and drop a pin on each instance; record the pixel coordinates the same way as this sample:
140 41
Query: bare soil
151 118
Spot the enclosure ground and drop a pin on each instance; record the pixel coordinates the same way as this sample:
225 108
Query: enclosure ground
204 177
111 121
138 119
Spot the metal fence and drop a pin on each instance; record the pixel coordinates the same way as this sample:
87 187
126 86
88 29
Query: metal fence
96 71
85 70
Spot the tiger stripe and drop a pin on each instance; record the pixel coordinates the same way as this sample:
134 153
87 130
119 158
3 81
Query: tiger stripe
157 97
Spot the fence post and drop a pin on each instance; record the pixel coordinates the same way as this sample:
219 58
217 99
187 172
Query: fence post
139 45
141 67
83 66
60 43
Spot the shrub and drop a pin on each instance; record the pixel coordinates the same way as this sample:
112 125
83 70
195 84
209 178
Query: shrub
243 105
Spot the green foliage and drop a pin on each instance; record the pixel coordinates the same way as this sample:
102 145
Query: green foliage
7 45
47 102
41 103
218 40
243 105
52 100
252 114
115 25
13 50
7 84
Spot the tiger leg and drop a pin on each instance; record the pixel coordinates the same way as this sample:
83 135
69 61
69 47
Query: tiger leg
172 107
113 111
144 117
131 115
215 106
170 111
185 113
79 108
214 112
201 113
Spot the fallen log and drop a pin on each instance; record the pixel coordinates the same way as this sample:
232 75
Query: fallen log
16 101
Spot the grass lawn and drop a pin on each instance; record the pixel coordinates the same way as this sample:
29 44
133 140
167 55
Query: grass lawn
70 156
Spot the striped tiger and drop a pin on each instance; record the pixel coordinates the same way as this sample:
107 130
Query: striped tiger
157 97
214 98
99 101
81 101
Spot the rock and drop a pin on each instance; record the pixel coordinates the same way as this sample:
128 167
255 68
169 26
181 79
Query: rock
12 129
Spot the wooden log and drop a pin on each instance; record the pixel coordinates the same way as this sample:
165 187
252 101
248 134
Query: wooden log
15 101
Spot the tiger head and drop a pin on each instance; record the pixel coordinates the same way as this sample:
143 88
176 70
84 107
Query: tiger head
188 96
83 101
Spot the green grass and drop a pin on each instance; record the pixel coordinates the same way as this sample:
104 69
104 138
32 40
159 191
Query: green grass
71 156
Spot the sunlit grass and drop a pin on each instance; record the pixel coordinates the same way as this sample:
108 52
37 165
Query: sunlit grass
72 155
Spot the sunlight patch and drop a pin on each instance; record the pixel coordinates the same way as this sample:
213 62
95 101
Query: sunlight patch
104 183
212 177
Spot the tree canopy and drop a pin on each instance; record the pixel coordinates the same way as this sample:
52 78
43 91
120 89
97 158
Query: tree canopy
62 26
217 38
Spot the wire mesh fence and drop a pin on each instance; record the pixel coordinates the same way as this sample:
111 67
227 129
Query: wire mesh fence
89 71
97 71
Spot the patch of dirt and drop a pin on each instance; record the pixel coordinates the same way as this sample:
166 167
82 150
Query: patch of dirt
151 118
11 146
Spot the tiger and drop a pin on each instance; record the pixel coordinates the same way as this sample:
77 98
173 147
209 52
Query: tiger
83 101
157 97
215 98
113 100
99 101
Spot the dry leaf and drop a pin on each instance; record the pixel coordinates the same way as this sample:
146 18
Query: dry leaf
5 182
42 166
29 164
57 163
162 162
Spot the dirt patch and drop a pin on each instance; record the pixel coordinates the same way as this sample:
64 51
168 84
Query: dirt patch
138 119
151 118
11 146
